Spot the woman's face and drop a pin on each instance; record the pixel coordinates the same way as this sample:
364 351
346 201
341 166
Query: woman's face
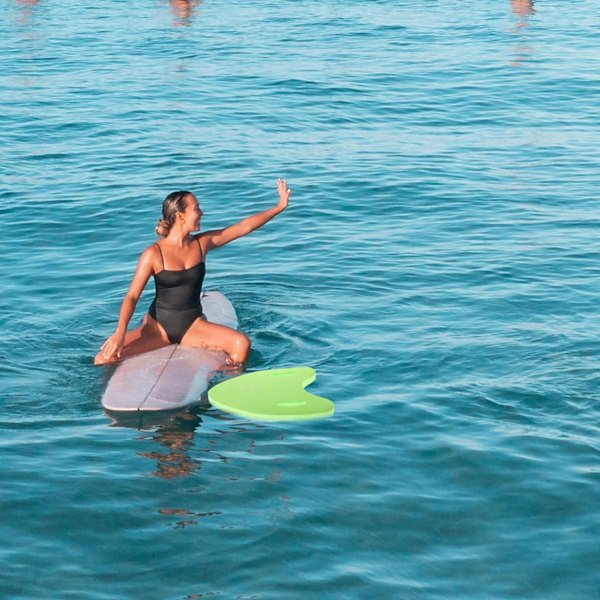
192 213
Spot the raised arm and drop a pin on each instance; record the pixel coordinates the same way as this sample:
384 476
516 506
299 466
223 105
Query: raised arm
220 237
114 344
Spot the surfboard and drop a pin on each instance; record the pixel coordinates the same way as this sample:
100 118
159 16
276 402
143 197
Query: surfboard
172 376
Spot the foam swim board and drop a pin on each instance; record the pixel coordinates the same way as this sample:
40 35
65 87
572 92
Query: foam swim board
170 377
271 395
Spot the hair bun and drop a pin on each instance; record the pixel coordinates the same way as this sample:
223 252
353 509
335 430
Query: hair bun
162 227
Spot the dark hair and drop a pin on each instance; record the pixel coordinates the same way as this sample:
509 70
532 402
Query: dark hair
174 203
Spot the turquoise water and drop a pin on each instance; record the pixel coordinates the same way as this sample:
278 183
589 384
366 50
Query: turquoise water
438 266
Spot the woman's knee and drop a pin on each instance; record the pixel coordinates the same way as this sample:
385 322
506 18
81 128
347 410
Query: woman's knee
240 347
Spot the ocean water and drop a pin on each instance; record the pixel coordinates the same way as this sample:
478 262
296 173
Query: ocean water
437 266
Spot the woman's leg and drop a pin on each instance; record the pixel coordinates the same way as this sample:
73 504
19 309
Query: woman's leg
148 336
218 337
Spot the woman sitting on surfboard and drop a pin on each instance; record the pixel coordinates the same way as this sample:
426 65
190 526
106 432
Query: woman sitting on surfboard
177 264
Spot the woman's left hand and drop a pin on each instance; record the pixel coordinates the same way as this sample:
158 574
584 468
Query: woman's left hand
284 193
113 345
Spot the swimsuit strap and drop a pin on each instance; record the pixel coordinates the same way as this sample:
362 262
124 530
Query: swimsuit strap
161 254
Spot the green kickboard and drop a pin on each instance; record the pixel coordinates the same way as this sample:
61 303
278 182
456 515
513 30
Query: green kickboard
271 395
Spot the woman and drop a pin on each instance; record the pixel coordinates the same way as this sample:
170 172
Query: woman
177 263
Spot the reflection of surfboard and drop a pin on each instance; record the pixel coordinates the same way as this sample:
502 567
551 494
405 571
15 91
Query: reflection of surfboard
172 376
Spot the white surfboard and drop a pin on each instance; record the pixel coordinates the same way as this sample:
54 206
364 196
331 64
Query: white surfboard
170 377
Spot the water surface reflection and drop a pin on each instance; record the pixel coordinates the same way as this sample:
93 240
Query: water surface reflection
182 10
27 9
522 8
173 430
521 51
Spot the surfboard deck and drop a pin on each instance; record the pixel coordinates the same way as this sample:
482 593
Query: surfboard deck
170 377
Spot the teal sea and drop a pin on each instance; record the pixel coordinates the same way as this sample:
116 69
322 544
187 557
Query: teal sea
438 266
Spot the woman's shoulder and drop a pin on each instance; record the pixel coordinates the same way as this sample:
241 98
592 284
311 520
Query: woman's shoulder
152 250
151 254
202 239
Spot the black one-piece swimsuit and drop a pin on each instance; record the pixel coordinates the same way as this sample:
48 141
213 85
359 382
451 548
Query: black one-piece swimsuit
176 304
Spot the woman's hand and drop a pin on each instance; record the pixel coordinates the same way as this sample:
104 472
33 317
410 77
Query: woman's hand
114 344
284 193
220 237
